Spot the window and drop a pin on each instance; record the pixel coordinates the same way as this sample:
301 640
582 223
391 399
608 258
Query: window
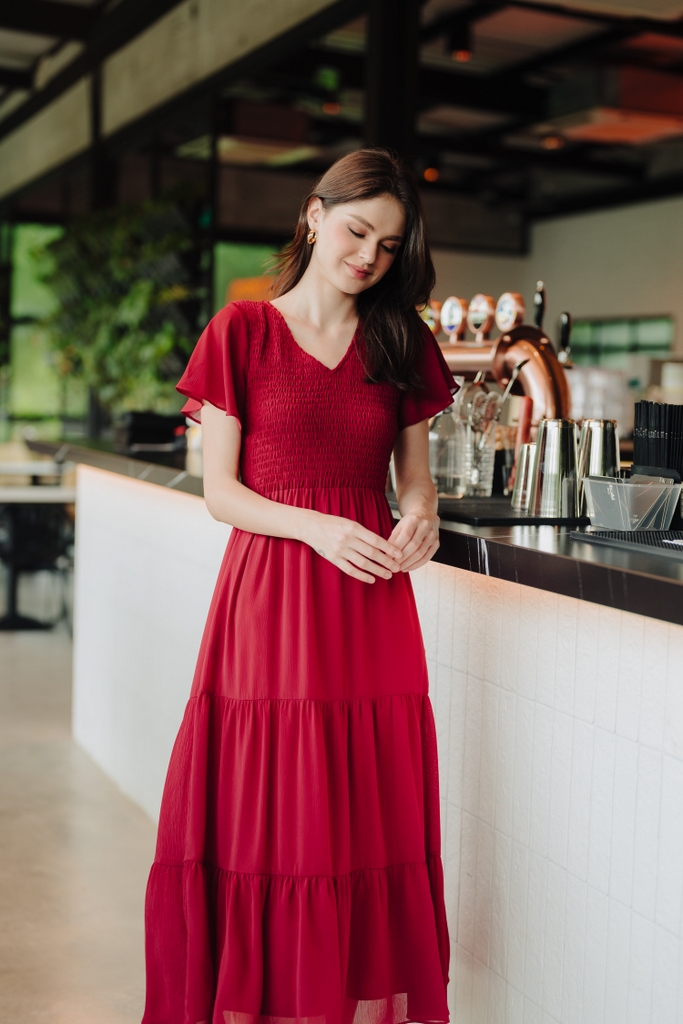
612 343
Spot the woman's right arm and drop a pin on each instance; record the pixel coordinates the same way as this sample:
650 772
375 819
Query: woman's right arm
344 542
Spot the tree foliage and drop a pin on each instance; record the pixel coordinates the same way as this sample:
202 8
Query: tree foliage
128 294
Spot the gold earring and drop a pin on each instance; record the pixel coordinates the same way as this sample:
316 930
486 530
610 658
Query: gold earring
311 237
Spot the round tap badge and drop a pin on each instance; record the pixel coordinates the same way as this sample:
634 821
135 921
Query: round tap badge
454 317
481 314
509 311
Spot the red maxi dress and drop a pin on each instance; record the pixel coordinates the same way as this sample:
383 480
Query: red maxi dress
298 877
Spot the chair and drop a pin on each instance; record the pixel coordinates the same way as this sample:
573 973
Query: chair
33 538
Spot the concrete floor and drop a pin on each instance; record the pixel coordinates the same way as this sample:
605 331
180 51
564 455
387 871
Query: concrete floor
74 852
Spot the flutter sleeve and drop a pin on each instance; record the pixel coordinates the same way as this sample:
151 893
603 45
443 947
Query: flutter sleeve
217 369
437 390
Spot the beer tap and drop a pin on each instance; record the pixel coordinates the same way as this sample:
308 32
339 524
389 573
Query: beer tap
539 305
565 340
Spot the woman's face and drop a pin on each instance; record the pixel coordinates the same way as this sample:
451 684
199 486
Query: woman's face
356 243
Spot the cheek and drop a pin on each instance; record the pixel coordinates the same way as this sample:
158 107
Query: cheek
340 240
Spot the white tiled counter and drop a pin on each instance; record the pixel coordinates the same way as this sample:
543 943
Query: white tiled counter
560 727
147 558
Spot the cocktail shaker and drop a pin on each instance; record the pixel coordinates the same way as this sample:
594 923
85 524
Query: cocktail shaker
598 452
525 466
554 491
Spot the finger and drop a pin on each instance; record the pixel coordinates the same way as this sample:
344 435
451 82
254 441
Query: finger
376 541
351 570
393 564
418 553
414 546
362 562
420 558
403 532
416 565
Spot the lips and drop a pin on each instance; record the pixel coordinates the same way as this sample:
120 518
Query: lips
357 272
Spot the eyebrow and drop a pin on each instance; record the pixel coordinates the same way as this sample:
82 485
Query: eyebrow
388 238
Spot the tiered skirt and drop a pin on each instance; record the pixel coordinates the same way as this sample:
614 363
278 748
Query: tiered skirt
298 875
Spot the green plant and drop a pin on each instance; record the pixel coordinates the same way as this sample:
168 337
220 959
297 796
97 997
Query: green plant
127 284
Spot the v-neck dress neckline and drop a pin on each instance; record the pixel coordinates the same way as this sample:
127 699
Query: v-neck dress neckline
289 334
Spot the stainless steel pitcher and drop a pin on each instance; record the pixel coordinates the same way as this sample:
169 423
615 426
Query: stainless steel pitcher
598 452
525 468
554 490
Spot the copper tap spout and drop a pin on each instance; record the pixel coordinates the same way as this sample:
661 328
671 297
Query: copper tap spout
542 378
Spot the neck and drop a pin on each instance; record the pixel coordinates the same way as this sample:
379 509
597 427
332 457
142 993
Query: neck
317 302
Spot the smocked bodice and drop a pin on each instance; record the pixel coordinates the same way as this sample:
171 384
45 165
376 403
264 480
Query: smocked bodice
307 425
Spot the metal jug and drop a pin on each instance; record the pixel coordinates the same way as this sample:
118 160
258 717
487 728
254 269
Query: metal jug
554 490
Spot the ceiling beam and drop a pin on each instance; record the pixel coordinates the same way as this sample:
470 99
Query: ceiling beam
474 11
48 18
110 32
391 75
13 78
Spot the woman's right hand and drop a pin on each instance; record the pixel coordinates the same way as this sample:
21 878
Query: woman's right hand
353 548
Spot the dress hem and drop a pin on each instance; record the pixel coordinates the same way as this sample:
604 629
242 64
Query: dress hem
192 862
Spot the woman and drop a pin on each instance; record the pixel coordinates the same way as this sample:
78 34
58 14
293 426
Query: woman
298 876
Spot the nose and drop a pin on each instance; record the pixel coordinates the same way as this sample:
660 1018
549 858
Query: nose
368 251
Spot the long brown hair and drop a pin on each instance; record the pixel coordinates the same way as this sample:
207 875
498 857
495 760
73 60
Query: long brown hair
393 330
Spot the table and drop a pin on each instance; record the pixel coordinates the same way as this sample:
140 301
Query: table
12 498
32 468
55 495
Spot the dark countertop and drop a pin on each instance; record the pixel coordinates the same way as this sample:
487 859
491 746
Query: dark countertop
154 470
547 558
535 556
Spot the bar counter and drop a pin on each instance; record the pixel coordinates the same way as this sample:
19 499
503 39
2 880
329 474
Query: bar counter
556 678
543 557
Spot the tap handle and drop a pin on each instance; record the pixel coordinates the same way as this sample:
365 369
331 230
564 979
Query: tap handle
565 336
539 305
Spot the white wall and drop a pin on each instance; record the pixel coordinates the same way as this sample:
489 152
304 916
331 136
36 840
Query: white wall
560 731
622 262
146 565
465 274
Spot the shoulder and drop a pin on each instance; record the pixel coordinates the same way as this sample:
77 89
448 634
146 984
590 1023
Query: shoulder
234 315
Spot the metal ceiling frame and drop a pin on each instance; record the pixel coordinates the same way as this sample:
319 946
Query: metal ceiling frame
109 33
49 18
502 92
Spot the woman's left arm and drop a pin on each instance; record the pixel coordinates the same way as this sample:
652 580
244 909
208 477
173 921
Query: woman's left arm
417 532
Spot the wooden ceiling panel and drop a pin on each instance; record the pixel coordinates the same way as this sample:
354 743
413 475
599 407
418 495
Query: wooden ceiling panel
665 9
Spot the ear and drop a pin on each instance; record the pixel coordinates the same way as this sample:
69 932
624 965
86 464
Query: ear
314 212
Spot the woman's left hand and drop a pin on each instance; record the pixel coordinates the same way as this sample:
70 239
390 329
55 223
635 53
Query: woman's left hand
417 535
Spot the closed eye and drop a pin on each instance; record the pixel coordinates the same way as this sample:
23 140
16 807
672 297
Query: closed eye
386 248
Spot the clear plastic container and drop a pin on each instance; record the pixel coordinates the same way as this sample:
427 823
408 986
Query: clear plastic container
476 409
443 452
620 505
475 460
